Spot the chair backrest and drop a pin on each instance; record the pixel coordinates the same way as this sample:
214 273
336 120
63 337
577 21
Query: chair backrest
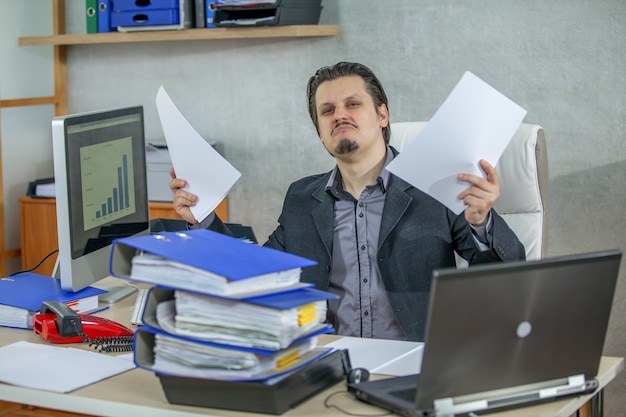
523 175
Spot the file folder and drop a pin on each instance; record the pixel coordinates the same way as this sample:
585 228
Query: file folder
207 262
104 16
158 295
146 342
91 15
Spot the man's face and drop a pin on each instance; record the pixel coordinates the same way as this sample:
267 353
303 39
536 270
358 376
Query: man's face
347 119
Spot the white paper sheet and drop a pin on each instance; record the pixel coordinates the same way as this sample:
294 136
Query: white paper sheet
208 174
382 356
56 368
475 122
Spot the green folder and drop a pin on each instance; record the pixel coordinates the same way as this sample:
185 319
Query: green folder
91 14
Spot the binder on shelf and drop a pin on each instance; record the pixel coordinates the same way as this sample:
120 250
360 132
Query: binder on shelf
209 12
199 13
21 296
245 324
171 354
104 16
206 262
91 15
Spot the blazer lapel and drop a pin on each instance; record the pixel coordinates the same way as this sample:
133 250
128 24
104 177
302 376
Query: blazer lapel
396 204
323 217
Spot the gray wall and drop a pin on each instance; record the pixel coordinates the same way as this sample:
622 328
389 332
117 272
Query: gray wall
563 60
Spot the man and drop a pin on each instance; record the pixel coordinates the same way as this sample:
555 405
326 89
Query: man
375 237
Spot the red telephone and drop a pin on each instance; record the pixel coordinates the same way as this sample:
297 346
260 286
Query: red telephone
58 323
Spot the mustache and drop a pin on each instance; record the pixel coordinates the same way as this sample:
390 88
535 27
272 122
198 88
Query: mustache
341 124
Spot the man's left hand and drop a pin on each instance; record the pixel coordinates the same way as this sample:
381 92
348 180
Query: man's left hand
481 195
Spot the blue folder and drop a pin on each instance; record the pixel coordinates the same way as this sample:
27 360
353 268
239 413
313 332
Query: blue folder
28 291
143 348
104 16
285 300
222 255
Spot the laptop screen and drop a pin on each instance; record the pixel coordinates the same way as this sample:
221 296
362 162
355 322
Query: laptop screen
508 324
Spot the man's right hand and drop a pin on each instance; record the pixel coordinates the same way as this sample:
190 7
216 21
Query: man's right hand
182 200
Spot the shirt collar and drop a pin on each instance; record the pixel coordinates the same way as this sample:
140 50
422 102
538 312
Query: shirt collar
334 185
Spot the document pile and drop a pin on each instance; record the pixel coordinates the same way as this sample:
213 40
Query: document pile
222 309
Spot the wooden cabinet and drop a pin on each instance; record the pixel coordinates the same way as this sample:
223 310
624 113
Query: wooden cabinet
38 227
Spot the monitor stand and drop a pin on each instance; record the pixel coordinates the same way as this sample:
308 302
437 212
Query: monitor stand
114 293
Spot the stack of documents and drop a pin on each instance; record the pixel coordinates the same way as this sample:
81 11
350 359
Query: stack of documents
222 308
183 356
21 296
279 319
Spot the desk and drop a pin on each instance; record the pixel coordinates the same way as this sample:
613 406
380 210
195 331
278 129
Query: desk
138 392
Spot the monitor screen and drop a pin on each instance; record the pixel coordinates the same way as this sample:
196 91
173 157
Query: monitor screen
101 189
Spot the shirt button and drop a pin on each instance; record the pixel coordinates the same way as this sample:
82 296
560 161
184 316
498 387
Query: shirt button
363 247
367 313
361 204
364 279
360 214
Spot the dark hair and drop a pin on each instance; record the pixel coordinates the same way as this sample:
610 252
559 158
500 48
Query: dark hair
344 69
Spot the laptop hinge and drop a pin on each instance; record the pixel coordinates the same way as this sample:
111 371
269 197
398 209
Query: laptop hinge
509 396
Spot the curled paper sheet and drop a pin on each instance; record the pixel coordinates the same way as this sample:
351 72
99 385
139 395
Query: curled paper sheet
475 122
208 174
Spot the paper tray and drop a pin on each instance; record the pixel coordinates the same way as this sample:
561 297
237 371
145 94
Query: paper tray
269 397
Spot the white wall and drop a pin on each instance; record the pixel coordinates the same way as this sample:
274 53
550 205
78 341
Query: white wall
25 130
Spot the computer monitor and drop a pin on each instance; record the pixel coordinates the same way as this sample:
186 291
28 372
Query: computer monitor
101 192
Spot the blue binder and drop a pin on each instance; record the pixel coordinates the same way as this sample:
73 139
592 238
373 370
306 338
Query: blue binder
212 254
144 342
104 16
27 291
210 12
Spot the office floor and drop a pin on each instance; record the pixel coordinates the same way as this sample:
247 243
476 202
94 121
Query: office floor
8 409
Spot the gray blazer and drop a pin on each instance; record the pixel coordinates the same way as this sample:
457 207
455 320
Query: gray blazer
418 234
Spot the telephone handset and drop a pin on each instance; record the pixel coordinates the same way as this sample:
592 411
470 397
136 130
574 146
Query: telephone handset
58 323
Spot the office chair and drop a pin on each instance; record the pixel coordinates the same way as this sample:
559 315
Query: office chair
523 175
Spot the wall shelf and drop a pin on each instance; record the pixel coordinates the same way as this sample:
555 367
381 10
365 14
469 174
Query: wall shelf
291 31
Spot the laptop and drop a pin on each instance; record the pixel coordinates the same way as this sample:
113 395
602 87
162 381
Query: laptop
505 335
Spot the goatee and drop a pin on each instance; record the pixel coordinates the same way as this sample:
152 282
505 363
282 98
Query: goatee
346 146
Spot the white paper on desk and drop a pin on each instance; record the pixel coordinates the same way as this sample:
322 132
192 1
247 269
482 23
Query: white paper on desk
475 122
208 174
382 356
56 368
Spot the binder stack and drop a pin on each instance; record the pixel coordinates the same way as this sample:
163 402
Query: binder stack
227 318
